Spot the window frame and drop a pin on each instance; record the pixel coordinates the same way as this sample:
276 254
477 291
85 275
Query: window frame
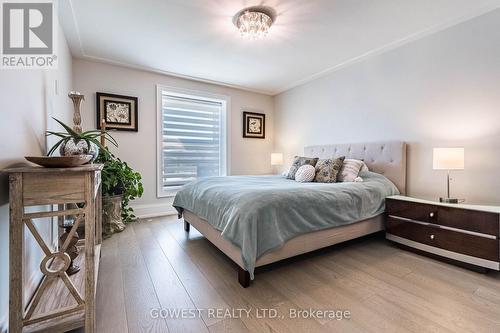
225 122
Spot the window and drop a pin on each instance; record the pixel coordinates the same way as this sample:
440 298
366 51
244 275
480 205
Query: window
191 137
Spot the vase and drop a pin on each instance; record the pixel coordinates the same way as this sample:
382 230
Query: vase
112 215
77 99
80 147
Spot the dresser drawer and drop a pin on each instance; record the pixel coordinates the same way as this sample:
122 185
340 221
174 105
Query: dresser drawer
411 210
471 245
476 221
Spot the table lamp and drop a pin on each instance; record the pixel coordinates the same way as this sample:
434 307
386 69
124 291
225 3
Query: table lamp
448 159
276 159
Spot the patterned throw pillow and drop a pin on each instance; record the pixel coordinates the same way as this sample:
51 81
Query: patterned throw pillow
350 170
299 161
305 174
328 169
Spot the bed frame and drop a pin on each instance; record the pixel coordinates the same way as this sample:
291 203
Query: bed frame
386 158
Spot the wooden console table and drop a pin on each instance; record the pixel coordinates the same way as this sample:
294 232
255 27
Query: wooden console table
57 305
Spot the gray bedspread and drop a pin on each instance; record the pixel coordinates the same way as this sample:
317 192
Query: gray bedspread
260 213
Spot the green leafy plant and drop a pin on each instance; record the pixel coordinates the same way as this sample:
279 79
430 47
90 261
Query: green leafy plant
88 137
118 178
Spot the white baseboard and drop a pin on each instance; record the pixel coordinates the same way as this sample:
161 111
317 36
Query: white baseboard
153 210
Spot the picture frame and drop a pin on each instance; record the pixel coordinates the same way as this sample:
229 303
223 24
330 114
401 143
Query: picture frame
254 125
119 112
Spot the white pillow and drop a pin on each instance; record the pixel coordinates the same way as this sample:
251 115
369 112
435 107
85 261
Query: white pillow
350 170
305 174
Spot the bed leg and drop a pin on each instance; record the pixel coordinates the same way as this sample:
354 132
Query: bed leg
186 226
243 277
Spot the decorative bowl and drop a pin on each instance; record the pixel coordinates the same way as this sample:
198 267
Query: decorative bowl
60 161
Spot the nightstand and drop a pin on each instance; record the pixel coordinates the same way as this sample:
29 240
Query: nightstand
466 234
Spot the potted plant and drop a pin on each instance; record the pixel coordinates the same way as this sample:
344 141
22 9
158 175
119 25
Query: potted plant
74 143
120 184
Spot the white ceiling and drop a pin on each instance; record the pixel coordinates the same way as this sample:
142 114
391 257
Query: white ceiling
197 39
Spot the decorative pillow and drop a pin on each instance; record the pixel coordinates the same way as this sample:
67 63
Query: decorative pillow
328 169
350 170
305 174
299 161
364 167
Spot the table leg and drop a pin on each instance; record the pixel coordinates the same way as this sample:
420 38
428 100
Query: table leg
16 250
89 254
98 211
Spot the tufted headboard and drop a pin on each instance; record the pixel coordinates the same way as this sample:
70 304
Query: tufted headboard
386 158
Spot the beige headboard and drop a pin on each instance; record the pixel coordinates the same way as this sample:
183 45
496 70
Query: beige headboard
386 158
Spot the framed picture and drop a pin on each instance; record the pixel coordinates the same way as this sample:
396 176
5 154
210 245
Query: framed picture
119 112
254 125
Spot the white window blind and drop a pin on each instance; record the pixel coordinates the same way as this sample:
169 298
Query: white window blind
192 139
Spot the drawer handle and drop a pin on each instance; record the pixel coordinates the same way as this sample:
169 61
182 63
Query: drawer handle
432 214
432 236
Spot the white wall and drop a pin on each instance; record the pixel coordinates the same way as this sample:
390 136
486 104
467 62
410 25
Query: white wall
28 98
442 90
248 156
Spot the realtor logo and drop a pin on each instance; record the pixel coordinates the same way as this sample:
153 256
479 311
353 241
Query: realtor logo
28 39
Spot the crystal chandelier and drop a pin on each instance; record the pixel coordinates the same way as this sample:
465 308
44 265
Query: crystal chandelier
254 22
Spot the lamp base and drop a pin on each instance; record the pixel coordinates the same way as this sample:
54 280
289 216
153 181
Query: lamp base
449 200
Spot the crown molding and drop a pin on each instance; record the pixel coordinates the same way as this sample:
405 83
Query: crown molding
167 73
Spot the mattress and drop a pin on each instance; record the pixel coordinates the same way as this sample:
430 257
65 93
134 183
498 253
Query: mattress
260 213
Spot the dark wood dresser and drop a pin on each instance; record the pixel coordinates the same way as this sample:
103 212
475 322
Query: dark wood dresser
466 234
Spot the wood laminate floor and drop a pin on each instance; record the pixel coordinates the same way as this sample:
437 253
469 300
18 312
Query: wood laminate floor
155 264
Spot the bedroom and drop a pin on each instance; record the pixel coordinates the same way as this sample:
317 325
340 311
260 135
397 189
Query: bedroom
208 103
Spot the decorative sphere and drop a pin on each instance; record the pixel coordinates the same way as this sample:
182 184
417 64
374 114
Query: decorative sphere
305 174
80 147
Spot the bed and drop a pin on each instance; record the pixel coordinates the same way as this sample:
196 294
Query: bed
258 220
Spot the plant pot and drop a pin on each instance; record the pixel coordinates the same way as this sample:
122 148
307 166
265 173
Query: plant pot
112 215
80 147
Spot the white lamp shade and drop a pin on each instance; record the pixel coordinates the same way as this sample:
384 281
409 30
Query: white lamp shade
276 159
448 159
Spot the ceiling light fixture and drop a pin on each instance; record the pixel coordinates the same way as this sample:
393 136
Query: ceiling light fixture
254 22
